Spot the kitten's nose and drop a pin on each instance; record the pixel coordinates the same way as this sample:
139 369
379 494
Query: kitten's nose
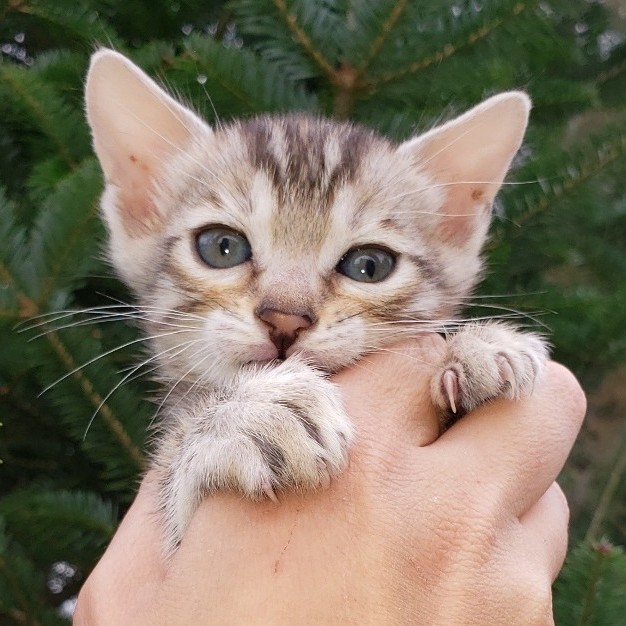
284 328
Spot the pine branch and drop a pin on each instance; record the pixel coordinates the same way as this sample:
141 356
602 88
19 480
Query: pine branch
15 269
237 81
57 253
59 525
80 22
605 155
63 127
590 589
304 40
28 309
13 261
66 232
299 38
22 587
386 29
449 49
114 424
610 73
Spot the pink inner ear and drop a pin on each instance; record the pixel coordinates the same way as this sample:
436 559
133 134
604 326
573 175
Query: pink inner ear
134 201
465 206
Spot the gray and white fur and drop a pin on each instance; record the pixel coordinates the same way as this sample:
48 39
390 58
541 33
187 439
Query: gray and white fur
244 351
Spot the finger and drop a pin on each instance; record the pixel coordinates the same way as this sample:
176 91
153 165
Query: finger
522 445
545 529
388 393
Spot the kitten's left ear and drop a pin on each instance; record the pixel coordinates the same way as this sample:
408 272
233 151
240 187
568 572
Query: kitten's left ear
467 159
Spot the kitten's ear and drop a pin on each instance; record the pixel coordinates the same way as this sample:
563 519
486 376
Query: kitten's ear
468 158
136 128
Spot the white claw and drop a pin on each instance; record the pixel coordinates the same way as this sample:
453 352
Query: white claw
325 474
451 387
268 490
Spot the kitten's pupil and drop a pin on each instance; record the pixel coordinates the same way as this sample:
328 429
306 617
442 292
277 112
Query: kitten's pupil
221 247
367 265
370 268
225 244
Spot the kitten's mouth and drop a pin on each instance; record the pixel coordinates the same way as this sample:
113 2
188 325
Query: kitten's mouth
302 355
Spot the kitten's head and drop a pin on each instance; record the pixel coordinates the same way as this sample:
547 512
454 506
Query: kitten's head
289 235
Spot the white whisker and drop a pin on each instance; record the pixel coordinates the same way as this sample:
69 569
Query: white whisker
125 379
180 379
452 184
107 353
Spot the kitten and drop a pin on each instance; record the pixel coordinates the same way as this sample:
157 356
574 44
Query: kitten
272 251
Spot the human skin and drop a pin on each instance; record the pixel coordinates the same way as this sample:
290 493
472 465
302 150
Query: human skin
465 529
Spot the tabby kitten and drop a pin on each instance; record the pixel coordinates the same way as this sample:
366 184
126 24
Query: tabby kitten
269 252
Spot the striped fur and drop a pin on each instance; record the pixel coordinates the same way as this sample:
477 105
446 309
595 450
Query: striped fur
304 191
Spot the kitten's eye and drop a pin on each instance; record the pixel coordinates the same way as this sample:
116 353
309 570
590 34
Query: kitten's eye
367 265
221 247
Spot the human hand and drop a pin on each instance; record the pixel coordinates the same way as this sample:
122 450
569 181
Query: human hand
468 529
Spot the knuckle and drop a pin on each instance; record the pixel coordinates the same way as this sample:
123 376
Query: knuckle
569 391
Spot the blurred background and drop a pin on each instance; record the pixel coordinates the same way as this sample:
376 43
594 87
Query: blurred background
71 456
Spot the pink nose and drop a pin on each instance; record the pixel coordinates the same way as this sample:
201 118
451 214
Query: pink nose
284 328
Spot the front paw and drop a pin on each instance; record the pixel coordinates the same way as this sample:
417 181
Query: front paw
296 420
484 362
279 428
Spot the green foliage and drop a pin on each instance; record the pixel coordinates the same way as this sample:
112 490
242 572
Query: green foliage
236 81
59 525
72 454
592 587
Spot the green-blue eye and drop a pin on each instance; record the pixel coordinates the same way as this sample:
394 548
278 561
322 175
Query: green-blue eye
221 247
367 265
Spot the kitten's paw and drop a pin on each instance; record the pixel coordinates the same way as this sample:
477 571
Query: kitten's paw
484 362
298 424
280 428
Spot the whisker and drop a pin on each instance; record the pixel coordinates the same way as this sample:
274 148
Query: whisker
107 353
429 364
121 309
122 381
103 319
175 385
454 183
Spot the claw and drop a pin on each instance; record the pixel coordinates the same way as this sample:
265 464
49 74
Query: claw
325 474
450 385
268 490
507 375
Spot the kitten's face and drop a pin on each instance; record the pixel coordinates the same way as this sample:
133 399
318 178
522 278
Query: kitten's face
303 193
291 235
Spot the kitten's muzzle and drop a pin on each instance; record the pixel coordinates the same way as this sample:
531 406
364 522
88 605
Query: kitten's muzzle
284 328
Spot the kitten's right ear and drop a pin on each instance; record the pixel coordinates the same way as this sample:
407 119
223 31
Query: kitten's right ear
136 128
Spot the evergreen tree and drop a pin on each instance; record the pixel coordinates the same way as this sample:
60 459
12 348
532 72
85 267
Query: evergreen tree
557 258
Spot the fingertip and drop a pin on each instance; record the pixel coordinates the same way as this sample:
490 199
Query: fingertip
546 529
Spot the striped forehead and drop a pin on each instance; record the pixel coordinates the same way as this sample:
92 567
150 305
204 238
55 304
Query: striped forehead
305 162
